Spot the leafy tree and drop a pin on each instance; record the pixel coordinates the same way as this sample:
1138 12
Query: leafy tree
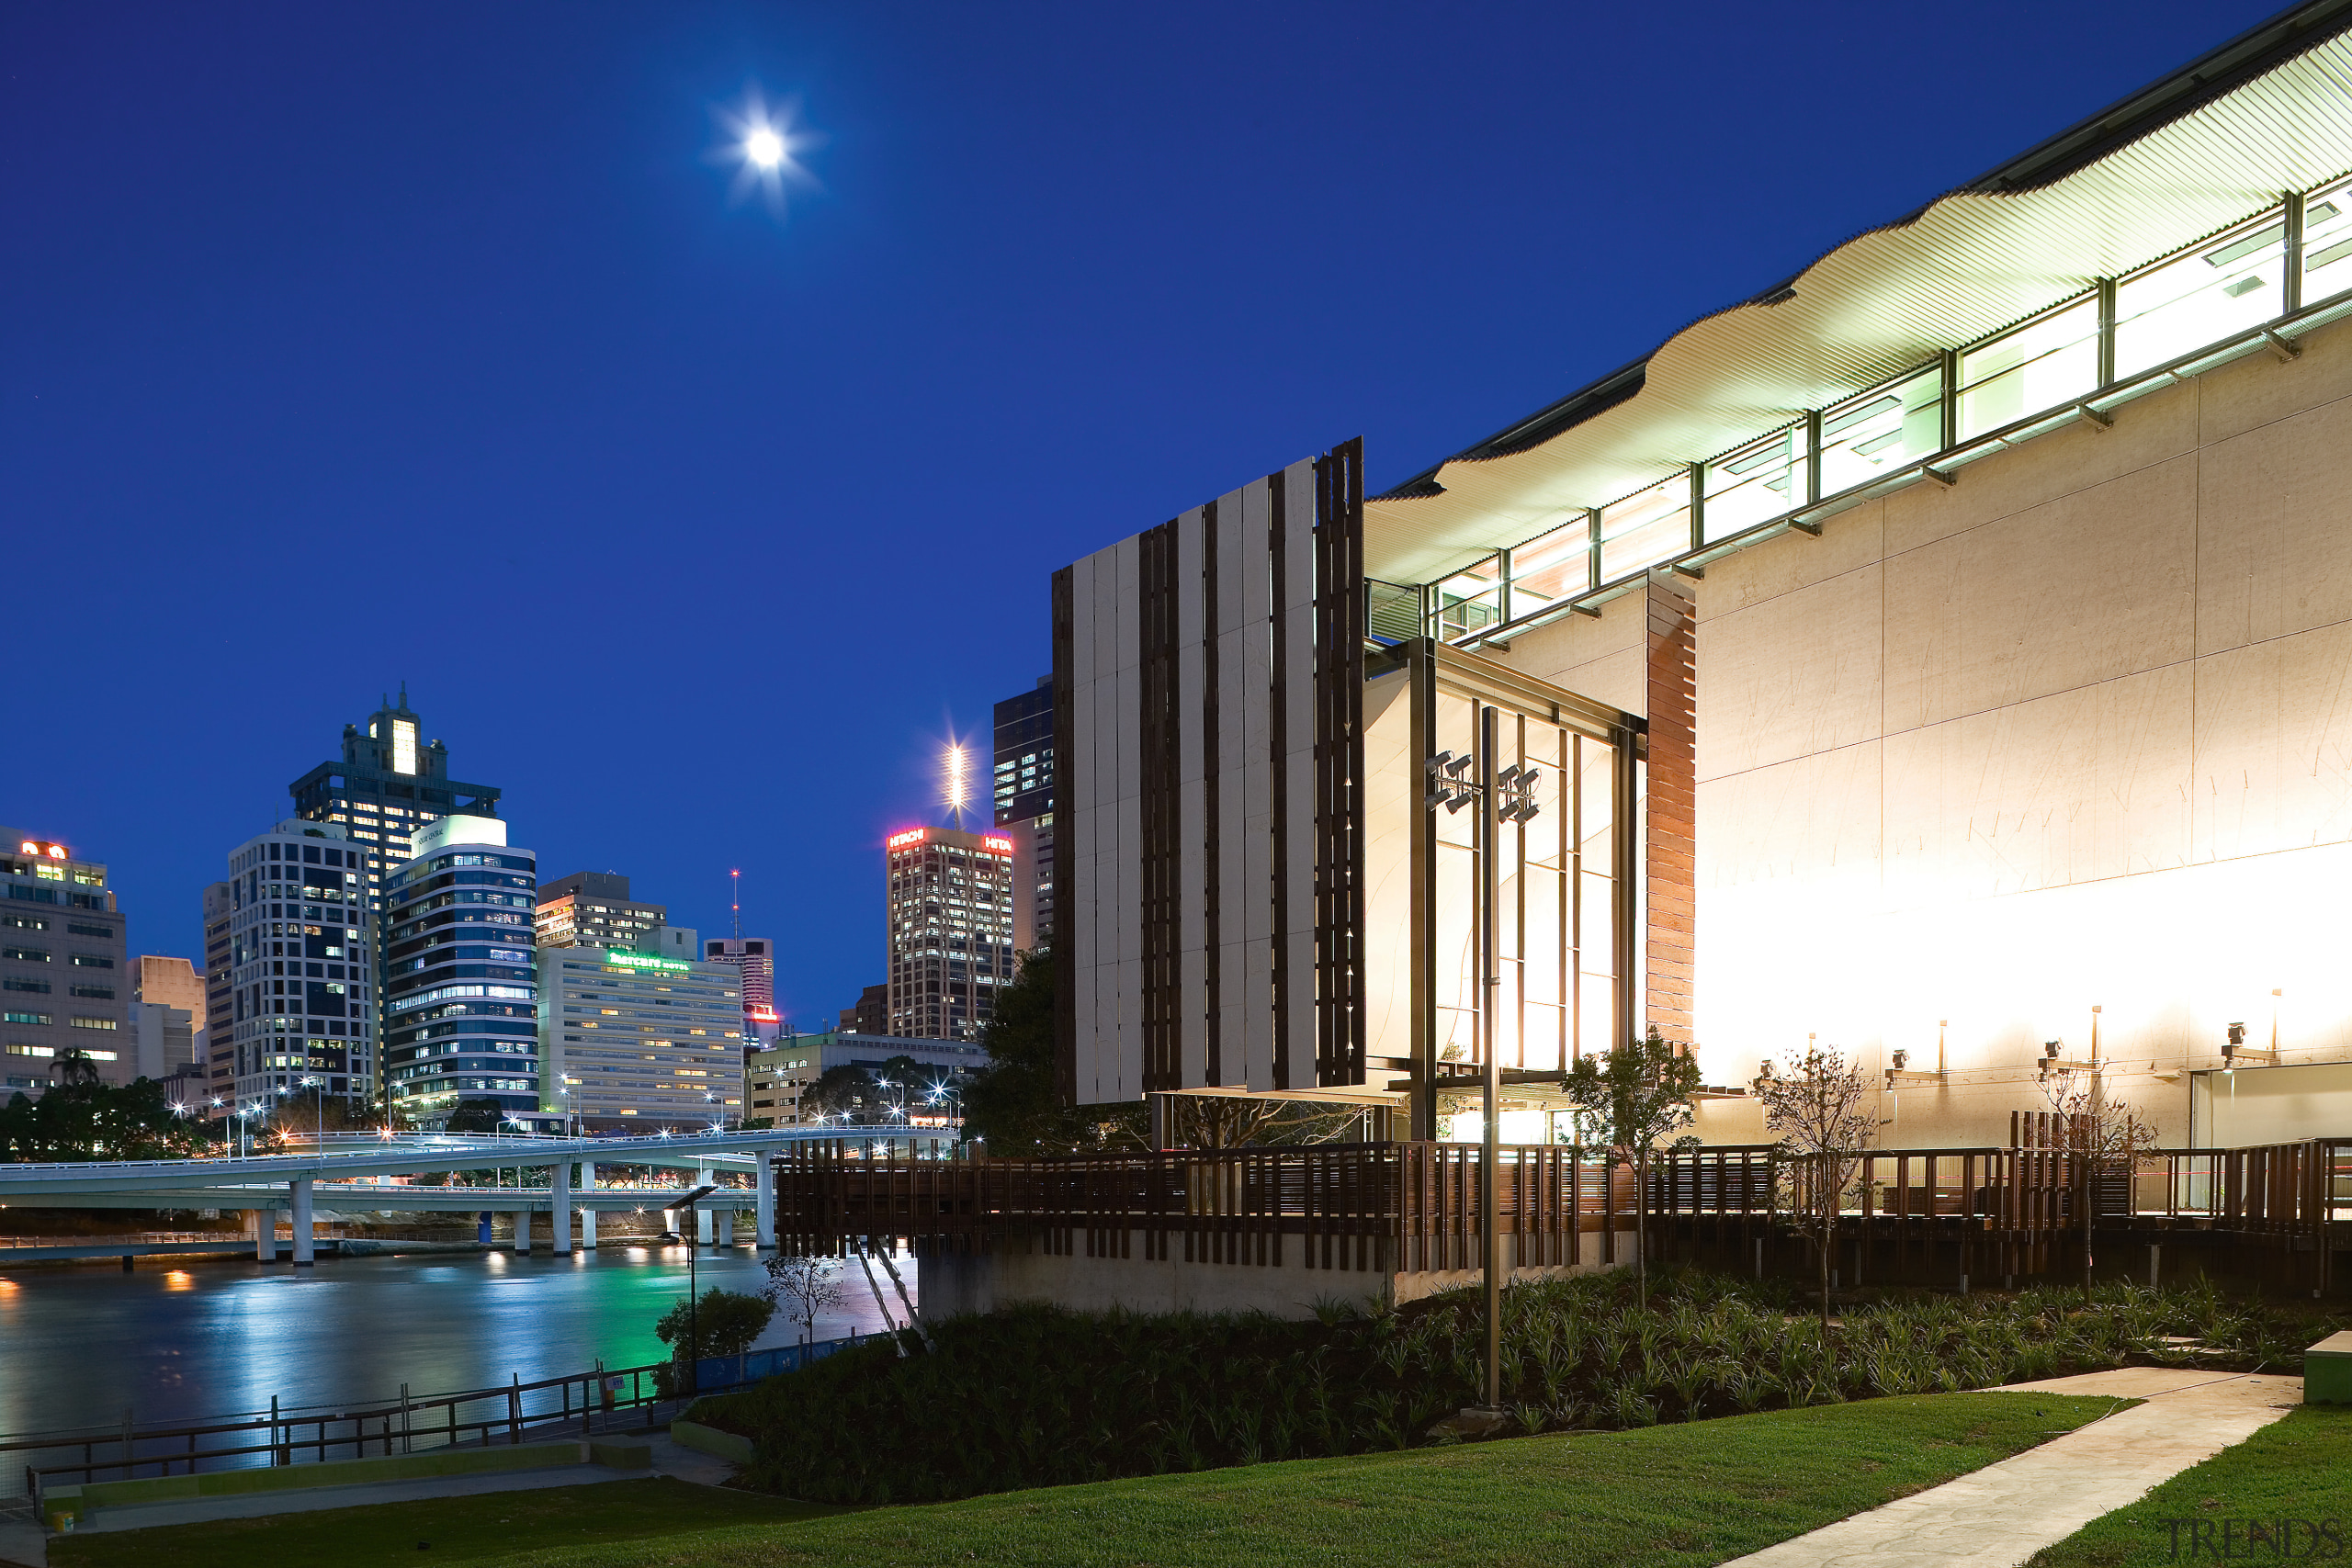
722 1322
480 1115
1816 1107
1629 1100
846 1092
1014 1101
80 1118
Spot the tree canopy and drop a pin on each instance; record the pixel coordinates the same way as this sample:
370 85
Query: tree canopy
86 1120
1014 1101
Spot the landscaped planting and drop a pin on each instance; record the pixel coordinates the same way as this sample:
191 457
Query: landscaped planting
1038 1396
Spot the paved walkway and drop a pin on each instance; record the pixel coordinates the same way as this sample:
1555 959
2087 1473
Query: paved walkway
1997 1516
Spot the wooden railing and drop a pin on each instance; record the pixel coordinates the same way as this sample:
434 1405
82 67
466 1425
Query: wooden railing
1414 1207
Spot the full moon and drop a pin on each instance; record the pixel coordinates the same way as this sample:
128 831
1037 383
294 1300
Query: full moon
765 148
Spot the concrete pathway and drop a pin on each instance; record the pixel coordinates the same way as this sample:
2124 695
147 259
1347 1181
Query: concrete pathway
674 1459
1997 1516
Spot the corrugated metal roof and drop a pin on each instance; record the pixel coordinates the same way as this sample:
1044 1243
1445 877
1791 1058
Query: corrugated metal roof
1959 270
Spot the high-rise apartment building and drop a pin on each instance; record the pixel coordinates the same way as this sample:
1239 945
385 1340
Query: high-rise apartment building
301 971
63 989
754 959
1024 806
216 1050
461 977
951 930
592 908
388 785
640 1040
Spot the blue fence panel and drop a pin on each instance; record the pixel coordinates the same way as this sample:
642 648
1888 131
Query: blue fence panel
716 1372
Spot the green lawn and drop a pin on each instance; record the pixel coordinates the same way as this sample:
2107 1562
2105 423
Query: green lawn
2299 1469
485 1529
1677 1496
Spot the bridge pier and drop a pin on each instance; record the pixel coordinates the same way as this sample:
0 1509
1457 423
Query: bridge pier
262 1225
702 1220
522 1230
763 1202
726 1224
481 1227
588 1216
304 1241
560 1207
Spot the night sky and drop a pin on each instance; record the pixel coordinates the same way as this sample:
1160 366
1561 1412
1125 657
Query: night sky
343 345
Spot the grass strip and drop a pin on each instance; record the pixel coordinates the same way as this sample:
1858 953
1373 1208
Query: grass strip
2265 1500
484 1527
1683 1495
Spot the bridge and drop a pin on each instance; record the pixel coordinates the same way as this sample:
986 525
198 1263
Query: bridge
362 1171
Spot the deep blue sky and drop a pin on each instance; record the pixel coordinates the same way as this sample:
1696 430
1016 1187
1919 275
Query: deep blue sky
344 345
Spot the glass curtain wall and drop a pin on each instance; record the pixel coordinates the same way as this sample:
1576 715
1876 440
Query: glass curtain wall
1556 904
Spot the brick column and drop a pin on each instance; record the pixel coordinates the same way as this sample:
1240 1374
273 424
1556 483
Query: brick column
1670 868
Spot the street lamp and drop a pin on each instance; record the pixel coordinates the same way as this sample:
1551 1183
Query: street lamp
318 1110
694 1308
1508 796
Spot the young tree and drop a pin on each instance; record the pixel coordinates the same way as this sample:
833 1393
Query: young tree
1815 1105
723 1323
1628 1100
2105 1138
846 1092
807 1287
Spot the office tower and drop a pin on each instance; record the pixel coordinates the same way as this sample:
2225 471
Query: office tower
1024 806
872 1013
63 986
162 1043
301 970
951 930
592 908
754 959
638 1039
216 1050
460 1004
167 1018
386 788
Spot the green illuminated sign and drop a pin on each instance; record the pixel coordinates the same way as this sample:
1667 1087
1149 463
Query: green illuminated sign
644 961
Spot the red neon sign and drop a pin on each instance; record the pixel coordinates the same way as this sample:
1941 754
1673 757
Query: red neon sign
1002 846
901 840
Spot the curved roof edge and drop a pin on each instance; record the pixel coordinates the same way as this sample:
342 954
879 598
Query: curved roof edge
2218 70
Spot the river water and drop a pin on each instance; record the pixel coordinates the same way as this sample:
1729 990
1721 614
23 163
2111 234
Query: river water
184 1339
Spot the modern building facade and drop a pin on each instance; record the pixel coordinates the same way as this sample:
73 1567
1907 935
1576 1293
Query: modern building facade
754 960
1025 806
592 908
635 1039
167 1017
219 1015
1933 654
951 930
388 785
872 1013
775 1076
64 979
461 992
301 971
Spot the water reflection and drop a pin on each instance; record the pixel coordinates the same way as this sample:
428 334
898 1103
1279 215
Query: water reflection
211 1338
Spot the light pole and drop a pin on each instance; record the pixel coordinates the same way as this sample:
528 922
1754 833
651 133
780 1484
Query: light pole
1505 796
694 1301
318 1110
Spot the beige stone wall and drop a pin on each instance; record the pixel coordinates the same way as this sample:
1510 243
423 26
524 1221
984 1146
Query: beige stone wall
2074 732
